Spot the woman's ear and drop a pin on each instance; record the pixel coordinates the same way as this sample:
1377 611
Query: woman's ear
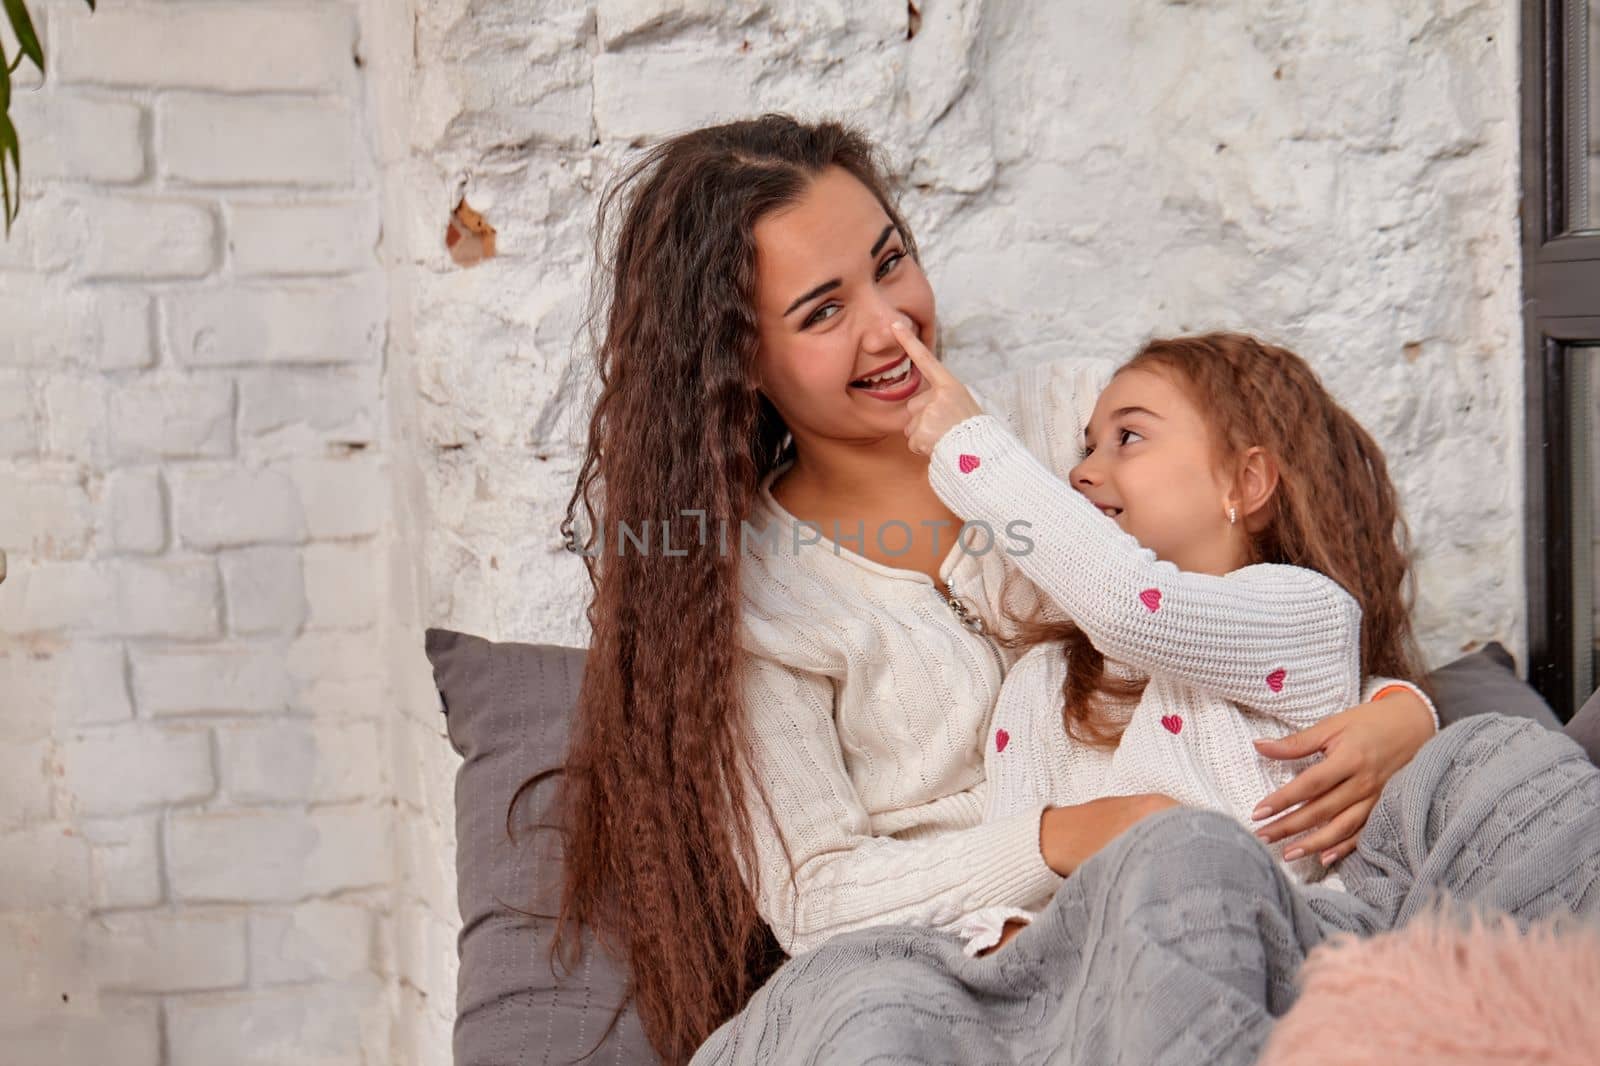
1254 487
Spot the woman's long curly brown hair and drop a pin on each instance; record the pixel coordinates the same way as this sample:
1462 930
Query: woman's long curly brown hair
1335 510
653 796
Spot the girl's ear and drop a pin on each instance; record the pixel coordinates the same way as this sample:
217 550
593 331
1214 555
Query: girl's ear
1254 487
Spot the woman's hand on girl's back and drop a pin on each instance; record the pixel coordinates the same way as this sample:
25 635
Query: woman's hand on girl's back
1362 748
1069 836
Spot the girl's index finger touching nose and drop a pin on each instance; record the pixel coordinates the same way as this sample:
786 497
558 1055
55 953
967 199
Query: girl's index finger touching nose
923 359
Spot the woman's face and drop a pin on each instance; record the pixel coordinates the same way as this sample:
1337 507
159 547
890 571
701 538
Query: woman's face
832 274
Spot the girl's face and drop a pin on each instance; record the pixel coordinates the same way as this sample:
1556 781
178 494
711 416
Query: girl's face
832 274
1153 466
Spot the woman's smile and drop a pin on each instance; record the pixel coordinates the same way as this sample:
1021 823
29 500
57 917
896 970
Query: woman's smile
900 382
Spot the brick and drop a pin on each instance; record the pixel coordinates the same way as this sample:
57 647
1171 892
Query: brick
302 239
54 596
226 507
418 840
124 1031
145 239
50 325
336 656
230 48
47 513
341 586
343 498
42 955
167 597
171 418
265 590
126 769
318 941
20 423
233 140
155 951
290 761
212 679
287 411
340 322
276 855
154 598
647 94
133 512
80 138
125 856
344 1024
49 235
75 419
26 772
53 689
47 866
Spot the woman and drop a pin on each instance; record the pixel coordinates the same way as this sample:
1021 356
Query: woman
737 726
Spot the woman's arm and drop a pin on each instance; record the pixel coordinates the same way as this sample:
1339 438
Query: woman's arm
821 872
1362 748
1279 639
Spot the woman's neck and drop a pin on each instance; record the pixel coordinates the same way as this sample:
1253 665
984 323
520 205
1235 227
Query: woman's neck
849 478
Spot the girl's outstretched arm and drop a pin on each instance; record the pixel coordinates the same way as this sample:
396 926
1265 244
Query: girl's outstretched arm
1281 640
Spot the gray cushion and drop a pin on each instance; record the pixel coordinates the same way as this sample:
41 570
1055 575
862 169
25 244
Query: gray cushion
506 708
1484 681
1585 727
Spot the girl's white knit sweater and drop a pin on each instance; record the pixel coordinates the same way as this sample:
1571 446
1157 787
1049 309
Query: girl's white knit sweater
1260 653
869 692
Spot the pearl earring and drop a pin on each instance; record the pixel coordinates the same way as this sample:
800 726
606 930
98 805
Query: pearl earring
1233 515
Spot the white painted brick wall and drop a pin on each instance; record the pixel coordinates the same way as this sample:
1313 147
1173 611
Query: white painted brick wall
257 429
195 501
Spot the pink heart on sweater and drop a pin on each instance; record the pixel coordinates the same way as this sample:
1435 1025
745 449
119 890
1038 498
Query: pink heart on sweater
1151 598
1001 739
968 463
1275 679
1173 723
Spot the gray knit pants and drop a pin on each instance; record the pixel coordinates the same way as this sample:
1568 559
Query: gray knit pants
1180 941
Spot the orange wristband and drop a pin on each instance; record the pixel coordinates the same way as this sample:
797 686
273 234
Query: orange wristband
1385 690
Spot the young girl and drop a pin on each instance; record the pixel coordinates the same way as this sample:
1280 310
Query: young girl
1227 553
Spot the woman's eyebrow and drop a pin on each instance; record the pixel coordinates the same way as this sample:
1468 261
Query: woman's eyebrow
829 286
1121 411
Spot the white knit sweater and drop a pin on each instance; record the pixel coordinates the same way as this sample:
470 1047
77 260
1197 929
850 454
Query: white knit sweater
869 702
1263 652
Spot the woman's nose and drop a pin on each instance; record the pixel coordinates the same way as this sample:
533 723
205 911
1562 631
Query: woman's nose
1084 474
880 337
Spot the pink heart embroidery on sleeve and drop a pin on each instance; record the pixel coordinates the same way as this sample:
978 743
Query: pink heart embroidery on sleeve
1001 739
1173 723
1275 679
968 463
1151 598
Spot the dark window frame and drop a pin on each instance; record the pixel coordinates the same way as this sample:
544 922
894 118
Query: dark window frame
1561 306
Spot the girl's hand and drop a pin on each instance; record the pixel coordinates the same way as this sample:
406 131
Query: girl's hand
1069 836
1007 934
1362 748
941 405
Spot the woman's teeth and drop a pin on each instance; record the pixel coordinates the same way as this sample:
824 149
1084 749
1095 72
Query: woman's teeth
893 376
1111 512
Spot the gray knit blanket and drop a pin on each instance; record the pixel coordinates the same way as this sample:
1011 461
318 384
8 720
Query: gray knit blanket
1180 941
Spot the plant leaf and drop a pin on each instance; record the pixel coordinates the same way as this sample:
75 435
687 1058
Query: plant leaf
5 85
8 145
22 25
91 5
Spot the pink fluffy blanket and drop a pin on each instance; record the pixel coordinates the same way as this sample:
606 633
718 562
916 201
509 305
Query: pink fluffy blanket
1450 987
